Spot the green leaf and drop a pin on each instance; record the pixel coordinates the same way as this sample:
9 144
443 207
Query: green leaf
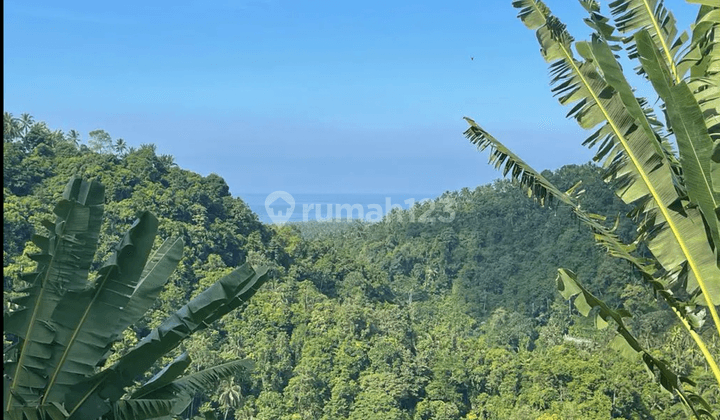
635 160
694 143
83 319
703 60
652 16
532 13
156 273
206 379
51 411
626 343
600 322
64 267
226 294
705 2
137 409
168 374
620 344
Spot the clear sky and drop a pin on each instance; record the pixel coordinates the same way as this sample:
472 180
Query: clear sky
303 96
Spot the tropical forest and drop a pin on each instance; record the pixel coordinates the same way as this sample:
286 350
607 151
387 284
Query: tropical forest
137 289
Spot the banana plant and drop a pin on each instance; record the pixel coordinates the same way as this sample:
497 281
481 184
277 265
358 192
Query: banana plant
675 194
64 326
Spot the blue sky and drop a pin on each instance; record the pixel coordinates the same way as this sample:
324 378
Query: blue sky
302 96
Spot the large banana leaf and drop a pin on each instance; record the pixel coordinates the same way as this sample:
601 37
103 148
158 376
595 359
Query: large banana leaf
694 142
51 411
682 236
545 192
703 58
93 398
84 319
649 23
703 55
158 269
65 325
638 158
156 273
635 158
63 266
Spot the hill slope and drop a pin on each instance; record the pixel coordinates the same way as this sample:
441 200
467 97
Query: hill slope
454 318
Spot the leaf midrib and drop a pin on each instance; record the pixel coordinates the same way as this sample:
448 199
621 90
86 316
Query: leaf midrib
663 209
599 230
656 26
74 336
705 176
31 327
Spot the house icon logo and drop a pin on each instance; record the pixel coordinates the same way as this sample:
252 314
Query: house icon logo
279 206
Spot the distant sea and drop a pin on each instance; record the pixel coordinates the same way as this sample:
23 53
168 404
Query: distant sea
369 207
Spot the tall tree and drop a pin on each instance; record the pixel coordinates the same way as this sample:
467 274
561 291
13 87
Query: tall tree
11 127
100 141
74 137
26 121
120 147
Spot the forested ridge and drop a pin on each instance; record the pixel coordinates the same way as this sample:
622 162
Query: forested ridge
401 319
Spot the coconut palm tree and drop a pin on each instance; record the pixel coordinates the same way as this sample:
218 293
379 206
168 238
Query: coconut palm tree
676 194
120 147
230 396
26 121
11 126
74 137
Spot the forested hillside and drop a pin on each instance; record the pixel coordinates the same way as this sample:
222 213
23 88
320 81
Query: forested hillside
454 318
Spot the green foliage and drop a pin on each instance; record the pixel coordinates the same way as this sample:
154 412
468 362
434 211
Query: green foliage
100 141
62 325
675 196
394 319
